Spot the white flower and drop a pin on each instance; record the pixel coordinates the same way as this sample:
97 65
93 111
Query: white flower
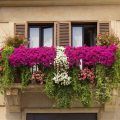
62 78
61 59
62 65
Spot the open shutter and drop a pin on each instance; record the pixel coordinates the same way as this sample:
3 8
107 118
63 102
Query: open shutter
64 33
20 30
56 34
103 27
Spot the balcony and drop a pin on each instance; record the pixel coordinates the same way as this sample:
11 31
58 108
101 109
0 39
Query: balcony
88 74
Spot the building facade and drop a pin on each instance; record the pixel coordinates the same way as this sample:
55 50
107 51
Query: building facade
73 22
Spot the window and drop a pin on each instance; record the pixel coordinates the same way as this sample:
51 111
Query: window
84 34
40 35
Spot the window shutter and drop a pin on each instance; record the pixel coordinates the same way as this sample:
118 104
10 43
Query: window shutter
103 27
56 34
20 30
64 33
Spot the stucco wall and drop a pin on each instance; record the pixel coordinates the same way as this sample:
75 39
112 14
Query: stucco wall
65 13
11 15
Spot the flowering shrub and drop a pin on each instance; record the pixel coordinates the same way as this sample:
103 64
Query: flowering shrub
106 39
16 41
104 55
31 56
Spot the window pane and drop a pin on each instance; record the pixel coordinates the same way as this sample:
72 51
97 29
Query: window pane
47 37
34 37
77 36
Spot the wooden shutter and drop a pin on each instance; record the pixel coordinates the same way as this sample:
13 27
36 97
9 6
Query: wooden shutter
56 34
103 27
64 34
20 30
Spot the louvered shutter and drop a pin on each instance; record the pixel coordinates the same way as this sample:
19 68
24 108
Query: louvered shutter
56 34
20 30
64 34
103 27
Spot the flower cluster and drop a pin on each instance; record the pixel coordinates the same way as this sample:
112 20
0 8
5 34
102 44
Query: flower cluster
38 76
106 39
62 78
87 74
46 56
62 65
31 56
61 62
104 55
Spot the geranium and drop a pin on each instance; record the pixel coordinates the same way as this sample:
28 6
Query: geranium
38 76
87 74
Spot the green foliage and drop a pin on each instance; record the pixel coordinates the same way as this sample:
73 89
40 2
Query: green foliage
107 39
8 76
86 94
15 41
62 94
49 84
115 71
25 76
103 88
81 88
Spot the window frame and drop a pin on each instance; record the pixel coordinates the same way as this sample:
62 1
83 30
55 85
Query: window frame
41 27
83 25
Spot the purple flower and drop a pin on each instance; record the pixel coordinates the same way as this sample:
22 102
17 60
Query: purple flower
31 56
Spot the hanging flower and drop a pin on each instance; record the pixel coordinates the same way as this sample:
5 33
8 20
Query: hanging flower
61 64
62 78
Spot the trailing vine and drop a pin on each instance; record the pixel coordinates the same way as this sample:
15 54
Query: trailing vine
25 76
8 77
103 88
